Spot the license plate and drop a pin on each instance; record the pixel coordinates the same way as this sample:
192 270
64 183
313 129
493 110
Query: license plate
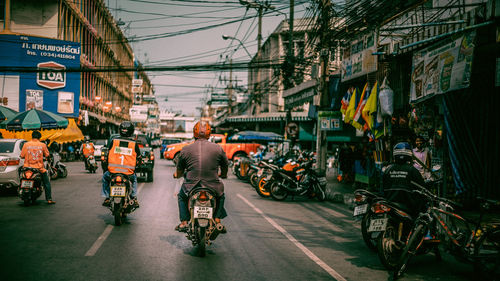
377 225
26 184
118 191
203 212
360 210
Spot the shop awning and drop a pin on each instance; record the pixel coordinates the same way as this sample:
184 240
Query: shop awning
70 134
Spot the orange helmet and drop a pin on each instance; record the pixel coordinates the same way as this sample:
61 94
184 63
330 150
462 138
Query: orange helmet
202 130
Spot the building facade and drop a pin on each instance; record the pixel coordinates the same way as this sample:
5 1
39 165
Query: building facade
104 55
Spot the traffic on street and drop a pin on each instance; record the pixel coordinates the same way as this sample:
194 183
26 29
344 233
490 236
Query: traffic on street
299 239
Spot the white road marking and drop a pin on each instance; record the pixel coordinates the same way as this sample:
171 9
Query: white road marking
299 245
98 243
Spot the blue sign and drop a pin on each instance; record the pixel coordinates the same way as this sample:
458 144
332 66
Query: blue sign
49 88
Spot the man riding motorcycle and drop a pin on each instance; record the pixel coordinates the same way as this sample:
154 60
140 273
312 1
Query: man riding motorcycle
398 176
123 156
199 164
33 153
87 149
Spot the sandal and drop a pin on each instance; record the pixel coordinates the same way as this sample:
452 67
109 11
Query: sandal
51 202
181 228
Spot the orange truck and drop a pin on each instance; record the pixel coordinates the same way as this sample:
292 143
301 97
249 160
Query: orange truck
231 149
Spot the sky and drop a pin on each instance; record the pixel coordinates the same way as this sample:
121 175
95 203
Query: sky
189 32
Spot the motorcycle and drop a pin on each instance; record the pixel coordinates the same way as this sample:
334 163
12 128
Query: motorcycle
121 202
202 228
90 164
362 211
31 185
300 181
62 171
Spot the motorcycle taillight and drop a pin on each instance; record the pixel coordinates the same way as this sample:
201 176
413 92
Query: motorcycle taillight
203 196
379 208
359 198
28 174
118 179
152 157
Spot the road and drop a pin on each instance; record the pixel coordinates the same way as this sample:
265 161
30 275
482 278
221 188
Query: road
75 239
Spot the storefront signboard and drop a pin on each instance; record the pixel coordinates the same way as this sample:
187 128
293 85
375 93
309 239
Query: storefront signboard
330 120
443 67
358 58
46 85
138 113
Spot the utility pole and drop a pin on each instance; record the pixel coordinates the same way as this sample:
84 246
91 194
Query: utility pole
321 142
230 88
260 9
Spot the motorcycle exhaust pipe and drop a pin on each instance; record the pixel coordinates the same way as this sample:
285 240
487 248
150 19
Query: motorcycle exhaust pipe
216 232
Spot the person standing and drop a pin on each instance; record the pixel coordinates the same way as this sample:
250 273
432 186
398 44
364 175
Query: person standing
422 153
33 153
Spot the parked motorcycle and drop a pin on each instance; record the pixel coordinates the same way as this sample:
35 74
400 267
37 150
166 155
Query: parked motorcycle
62 171
303 180
202 228
90 164
121 202
31 185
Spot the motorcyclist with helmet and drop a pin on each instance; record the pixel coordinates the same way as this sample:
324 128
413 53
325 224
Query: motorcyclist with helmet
398 178
123 156
87 149
199 164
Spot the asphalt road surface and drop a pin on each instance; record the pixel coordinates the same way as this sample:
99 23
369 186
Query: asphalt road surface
76 239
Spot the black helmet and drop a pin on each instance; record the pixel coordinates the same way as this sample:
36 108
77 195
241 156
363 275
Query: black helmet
126 129
402 152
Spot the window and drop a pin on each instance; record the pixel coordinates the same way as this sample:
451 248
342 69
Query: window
2 9
7 146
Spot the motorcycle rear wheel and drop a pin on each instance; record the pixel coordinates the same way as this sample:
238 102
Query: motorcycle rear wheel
368 237
117 210
202 239
277 192
388 251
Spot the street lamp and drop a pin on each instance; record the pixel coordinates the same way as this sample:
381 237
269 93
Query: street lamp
225 37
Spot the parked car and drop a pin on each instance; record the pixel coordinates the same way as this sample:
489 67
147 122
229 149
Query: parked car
10 162
98 145
165 142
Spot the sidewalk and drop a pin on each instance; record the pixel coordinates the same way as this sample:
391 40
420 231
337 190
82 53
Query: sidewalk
339 192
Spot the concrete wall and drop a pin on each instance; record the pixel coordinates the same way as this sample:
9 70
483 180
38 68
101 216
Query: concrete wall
35 17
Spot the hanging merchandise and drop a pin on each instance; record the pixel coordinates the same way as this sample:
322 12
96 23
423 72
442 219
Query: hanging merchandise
386 99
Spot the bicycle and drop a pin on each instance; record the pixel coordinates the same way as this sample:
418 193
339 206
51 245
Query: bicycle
467 240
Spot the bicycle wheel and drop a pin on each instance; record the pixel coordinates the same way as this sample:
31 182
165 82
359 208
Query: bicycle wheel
487 255
410 249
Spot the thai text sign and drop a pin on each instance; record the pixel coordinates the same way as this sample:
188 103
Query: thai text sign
443 67
50 87
358 59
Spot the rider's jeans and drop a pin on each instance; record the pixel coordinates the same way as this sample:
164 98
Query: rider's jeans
106 178
184 215
46 185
